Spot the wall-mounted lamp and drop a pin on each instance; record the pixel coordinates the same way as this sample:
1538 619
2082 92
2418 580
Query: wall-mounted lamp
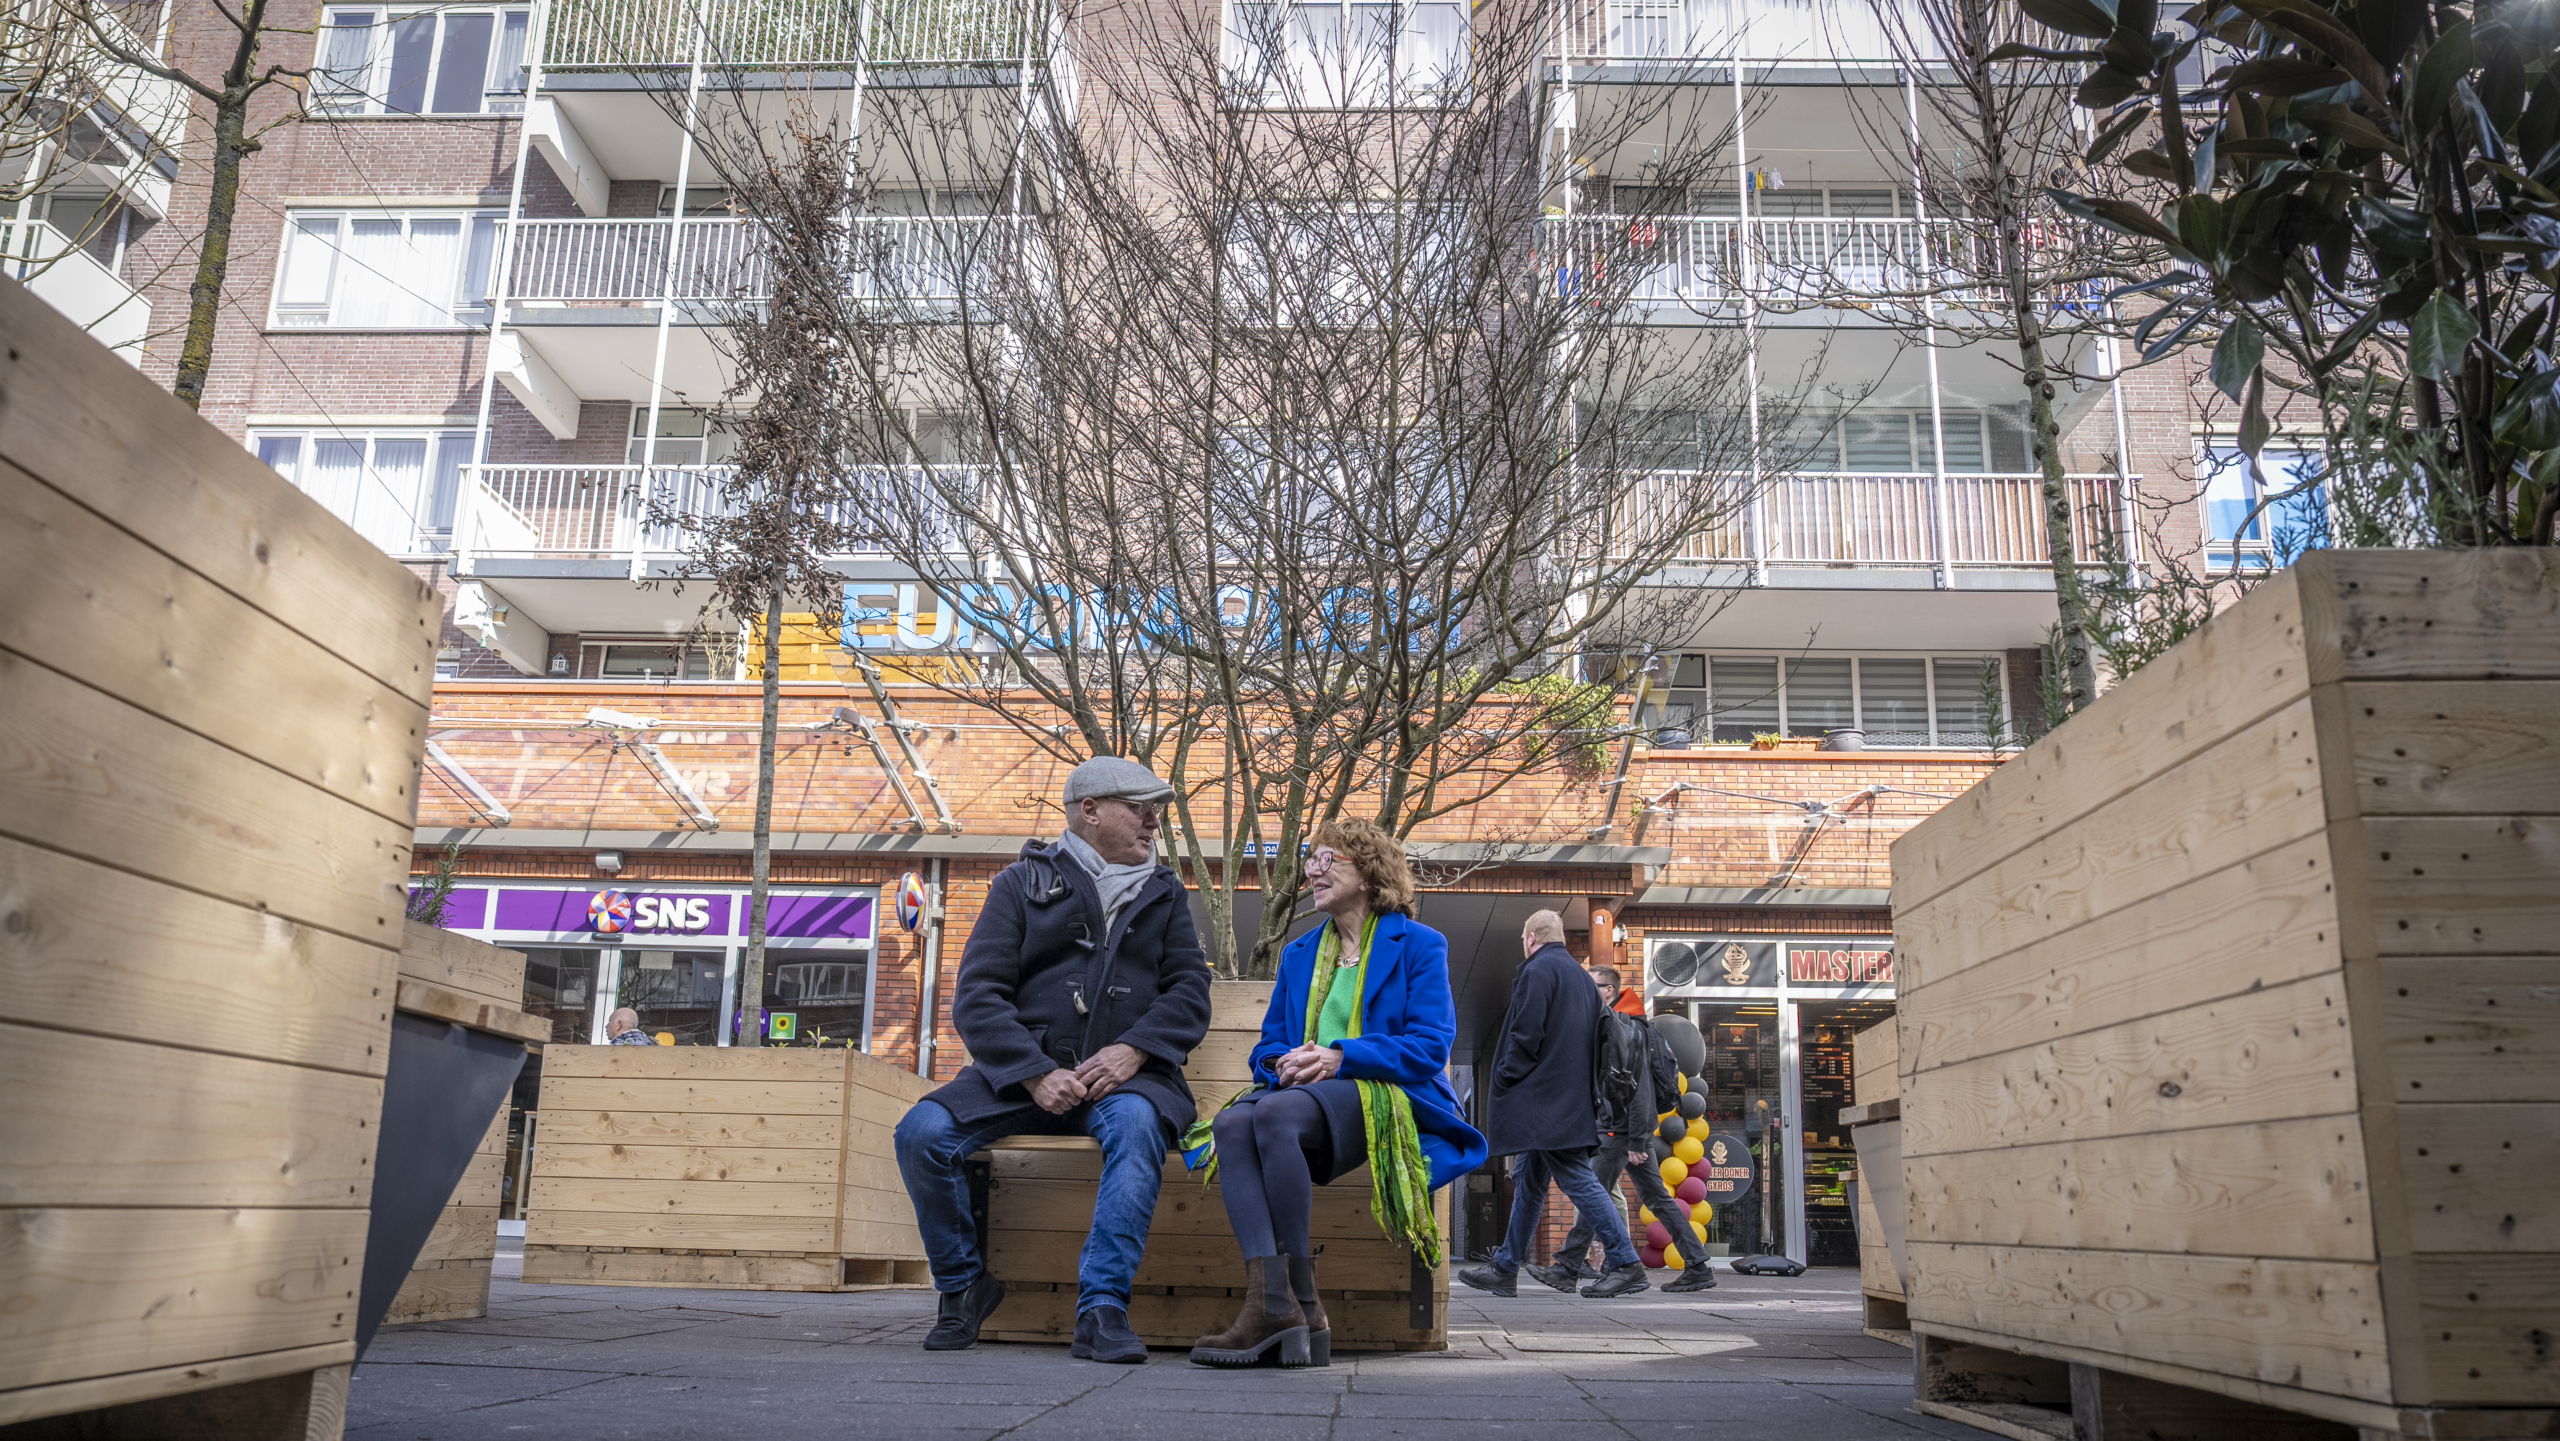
608 861
559 665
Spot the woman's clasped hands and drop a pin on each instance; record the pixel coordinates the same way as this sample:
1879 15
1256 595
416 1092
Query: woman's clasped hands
1307 1065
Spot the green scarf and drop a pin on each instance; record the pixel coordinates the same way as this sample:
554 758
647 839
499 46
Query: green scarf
1399 1179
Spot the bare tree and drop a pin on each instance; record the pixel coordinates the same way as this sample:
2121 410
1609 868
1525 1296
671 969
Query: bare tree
1306 462
763 532
71 114
1988 119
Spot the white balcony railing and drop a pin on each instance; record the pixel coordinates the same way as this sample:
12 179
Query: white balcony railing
1831 519
1711 260
625 262
630 513
788 34
1818 32
72 281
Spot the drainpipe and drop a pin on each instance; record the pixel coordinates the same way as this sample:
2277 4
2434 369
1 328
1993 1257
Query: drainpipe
928 1007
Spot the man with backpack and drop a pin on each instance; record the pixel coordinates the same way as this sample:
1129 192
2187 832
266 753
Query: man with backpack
1543 1113
1635 1077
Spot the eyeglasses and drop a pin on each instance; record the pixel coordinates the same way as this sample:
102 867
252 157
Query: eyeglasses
1147 810
1321 859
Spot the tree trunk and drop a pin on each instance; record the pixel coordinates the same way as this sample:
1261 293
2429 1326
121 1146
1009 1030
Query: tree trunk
751 984
2071 603
213 254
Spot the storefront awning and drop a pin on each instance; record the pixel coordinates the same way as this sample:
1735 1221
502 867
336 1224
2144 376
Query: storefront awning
1877 897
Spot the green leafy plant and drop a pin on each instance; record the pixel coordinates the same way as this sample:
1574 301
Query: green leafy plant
2362 203
428 899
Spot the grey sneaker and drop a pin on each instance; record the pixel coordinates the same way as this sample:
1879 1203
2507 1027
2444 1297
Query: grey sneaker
1556 1276
1491 1278
1696 1278
1624 1281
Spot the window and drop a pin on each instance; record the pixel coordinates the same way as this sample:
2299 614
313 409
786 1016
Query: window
427 270
685 437
376 61
645 660
1337 53
396 487
827 993
1896 700
2236 531
1881 440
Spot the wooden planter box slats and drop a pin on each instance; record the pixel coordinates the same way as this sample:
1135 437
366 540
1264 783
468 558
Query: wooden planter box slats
738 1167
1040 1208
2230 1012
213 696
1875 1091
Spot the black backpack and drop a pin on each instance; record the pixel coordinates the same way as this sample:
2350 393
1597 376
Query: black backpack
1619 1058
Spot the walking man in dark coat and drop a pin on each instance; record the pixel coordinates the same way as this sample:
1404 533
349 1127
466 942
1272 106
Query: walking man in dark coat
1627 1148
1081 994
1544 1112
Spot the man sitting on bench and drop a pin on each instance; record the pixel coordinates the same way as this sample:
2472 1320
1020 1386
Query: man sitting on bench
1081 994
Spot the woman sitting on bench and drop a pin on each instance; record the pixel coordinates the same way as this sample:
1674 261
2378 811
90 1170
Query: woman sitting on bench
1352 1065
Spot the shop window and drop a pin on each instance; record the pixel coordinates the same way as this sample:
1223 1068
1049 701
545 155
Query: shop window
376 61
422 270
678 992
827 994
559 987
395 487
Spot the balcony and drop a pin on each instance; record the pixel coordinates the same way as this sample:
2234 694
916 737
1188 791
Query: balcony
800 34
71 281
571 263
1717 32
1709 263
630 515
1832 519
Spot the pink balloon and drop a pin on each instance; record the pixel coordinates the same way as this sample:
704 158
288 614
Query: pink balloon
1657 1235
1652 1256
1692 1190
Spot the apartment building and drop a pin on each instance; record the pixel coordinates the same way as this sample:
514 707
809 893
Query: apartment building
477 312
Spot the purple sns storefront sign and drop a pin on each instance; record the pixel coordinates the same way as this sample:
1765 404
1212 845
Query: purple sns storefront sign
613 911
843 920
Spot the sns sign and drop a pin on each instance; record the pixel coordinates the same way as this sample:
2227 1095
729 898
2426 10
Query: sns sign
613 913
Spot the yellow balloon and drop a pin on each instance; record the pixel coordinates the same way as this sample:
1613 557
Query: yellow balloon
1673 1259
1698 1130
1644 1215
1684 1085
1689 1151
1675 1170
1700 1214
1700 1228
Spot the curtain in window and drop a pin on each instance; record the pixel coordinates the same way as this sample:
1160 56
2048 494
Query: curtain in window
1818 696
1893 702
368 291
310 264
1876 443
1314 56
507 74
387 507
429 280
1744 692
462 71
471 301
1431 53
346 57
1962 718
336 475
413 48
444 488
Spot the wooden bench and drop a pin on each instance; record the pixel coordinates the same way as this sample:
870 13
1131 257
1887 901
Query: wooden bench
1039 1206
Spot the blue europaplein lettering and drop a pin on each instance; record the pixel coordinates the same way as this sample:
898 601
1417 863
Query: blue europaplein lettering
975 615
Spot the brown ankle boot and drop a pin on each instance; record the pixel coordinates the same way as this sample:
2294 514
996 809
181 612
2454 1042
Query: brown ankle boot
1302 1284
1269 1323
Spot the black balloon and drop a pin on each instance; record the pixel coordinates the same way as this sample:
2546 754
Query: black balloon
1693 1102
1687 1046
1673 1131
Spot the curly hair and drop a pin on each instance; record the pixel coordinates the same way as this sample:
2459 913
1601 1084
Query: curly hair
1378 856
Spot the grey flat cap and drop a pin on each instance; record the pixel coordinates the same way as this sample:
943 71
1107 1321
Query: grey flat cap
1106 776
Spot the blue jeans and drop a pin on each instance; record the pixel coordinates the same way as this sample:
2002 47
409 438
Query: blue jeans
1571 1171
934 1147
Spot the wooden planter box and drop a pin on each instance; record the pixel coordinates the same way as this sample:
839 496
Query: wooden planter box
1875 1122
1040 1207
2230 1023
213 696
729 1167
442 973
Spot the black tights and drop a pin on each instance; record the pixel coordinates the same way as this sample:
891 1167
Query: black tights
1266 1154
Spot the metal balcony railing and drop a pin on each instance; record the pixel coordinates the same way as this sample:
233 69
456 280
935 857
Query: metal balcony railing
1637 32
1832 518
633 513
799 34
1710 260
625 262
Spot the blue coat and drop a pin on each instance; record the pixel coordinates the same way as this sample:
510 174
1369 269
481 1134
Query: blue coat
1407 1021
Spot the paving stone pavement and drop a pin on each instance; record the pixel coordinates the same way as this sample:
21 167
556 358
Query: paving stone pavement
1761 1358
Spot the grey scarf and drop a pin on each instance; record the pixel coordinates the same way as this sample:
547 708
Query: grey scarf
1119 884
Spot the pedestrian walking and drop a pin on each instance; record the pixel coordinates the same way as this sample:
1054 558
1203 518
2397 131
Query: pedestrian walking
1081 994
1351 1066
1626 1147
1543 1112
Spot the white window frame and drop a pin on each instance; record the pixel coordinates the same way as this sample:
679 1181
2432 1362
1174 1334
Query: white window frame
1400 85
303 260
2221 461
378 510
1701 726
363 88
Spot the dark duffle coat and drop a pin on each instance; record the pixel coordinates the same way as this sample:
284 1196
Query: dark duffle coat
1041 986
1542 1097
